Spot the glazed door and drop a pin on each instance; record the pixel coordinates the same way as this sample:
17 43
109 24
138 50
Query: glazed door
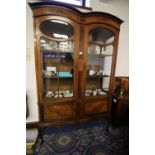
99 60
57 52
100 56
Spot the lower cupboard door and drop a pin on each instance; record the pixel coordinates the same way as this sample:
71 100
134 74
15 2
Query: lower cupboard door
95 106
59 111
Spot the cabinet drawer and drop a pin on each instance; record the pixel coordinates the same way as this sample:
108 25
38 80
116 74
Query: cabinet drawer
94 107
58 111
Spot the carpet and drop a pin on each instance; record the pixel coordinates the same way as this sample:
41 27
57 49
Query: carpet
93 138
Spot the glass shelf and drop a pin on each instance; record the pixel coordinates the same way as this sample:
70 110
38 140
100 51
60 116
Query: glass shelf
56 51
56 77
97 76
101 55
58 94
96 92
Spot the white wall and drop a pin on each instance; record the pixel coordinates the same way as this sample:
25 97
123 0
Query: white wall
118 8
30 69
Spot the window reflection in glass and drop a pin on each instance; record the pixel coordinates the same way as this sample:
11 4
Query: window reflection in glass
57 29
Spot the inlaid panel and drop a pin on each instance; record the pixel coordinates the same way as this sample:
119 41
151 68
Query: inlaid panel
58 111
91 107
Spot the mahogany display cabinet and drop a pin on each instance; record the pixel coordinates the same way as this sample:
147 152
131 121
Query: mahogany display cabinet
75 59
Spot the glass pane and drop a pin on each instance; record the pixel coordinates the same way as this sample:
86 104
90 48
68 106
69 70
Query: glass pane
57 29
101 34
48 45
51 88
66 73
66 46
50 62
99 61
58 68
57 50
66 87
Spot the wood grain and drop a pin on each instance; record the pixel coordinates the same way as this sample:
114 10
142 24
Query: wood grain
58 111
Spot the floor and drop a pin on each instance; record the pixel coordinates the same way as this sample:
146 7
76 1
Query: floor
93 138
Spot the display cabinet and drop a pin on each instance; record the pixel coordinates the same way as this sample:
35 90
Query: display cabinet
75 57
